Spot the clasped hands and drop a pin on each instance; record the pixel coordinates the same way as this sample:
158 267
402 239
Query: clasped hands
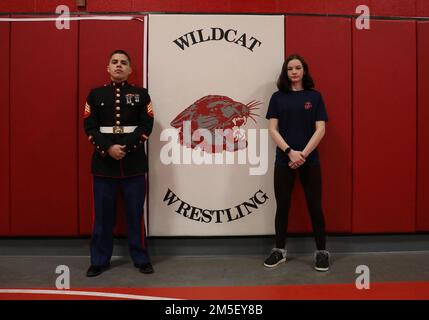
297 159
117 151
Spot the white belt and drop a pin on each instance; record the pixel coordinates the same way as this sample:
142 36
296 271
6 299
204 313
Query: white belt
118 129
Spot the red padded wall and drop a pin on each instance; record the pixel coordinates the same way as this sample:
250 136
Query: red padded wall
384 111
43 129
4 128
422 8
329 60
161 6
48 184
199 6
307 6
51 5
406 8
422 217
344 7
253 6
17 6
93 59
182 6
109 6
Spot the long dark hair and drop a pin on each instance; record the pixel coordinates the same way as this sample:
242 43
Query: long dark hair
284 83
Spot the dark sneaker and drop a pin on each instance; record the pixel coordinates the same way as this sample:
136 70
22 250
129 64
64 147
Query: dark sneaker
276 257
322 260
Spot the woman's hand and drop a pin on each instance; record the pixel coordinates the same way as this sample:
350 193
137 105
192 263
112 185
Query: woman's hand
297 159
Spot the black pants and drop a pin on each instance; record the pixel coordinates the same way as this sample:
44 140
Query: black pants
311 180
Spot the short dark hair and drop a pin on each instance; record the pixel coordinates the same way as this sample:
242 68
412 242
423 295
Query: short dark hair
120 52
284 83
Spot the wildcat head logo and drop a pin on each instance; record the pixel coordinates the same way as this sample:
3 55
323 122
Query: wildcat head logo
308 106
216 113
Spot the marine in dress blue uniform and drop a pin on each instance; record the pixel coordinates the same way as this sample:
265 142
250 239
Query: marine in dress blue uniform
118 119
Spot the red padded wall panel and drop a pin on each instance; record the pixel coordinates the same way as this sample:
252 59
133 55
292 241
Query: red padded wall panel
4 129
305 6
344 7
422 8
181 6
109 6
204 5
161 6
378 7
405 8
17 6
93 59
422 217
326 46
51 5
43 129
254 6
384 111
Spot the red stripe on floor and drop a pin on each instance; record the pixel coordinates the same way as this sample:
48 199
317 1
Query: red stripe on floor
377 291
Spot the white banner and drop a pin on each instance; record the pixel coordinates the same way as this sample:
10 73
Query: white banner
211 160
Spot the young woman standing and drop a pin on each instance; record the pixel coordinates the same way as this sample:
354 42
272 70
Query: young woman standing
297 117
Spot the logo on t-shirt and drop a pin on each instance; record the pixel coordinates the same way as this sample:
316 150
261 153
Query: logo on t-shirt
308 106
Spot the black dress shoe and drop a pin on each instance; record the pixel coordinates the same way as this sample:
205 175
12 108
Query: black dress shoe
146 268
94 271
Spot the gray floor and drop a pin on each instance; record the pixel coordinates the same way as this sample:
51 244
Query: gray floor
32 263
39 271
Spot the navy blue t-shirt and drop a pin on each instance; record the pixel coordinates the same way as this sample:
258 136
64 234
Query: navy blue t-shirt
297 112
